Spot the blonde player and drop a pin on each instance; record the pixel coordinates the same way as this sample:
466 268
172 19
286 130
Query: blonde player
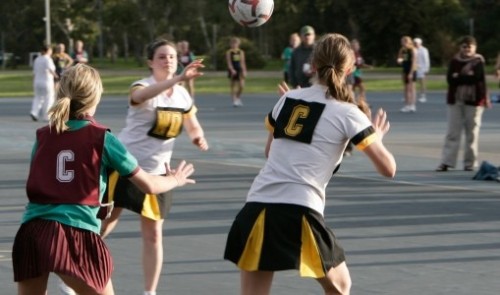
66 182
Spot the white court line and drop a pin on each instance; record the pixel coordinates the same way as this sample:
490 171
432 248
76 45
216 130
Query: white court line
379 179
4 257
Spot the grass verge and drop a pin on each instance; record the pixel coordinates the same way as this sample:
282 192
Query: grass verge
116 82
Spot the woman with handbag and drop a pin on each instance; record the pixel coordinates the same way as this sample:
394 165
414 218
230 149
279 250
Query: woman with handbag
466 98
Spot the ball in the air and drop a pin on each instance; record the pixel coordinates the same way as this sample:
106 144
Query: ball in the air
251 13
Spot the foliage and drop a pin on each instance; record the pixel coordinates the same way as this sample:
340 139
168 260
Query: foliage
122 28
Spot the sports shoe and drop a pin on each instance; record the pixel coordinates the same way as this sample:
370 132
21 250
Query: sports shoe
442 168
64 289
408 109
237 103
422 99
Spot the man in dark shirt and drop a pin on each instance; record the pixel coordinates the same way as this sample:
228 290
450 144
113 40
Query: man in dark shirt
300 71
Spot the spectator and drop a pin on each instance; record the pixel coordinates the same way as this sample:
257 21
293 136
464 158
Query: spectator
300 71
79 55
466 98
186 56
294 42
423 67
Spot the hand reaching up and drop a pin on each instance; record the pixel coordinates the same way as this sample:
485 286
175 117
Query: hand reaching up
283 88
380 123
191 70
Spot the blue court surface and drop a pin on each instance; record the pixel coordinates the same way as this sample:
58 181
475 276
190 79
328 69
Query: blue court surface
421 233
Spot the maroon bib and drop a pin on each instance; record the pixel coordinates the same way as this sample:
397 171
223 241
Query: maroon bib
65 168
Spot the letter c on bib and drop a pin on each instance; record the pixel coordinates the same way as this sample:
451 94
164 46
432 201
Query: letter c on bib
62 174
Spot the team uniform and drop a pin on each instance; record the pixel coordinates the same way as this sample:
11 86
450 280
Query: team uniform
407 65
67 181
149 135
281 226
61 62
235 55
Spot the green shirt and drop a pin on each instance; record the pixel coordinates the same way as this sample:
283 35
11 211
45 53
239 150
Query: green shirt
286 56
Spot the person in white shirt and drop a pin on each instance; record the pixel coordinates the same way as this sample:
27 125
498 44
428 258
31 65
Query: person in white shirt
159 109
423 66
44 72
282 226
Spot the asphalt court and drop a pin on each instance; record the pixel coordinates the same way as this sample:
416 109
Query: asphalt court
422 232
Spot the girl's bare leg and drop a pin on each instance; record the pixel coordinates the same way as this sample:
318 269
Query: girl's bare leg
81 288
152 251
109 224
256 282
337 281
36 286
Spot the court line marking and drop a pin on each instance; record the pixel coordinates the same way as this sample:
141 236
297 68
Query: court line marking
378 179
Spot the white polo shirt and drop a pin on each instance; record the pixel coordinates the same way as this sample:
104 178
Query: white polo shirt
310 136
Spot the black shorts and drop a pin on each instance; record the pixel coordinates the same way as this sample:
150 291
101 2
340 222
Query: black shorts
405 77
235 77
125 194
273 237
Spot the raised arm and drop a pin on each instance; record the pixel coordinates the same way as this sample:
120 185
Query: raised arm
142 94
381 158
155 184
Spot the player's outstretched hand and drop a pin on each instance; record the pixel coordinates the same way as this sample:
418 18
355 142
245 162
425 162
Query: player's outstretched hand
201 143
191 70
380 123
182 173
283 88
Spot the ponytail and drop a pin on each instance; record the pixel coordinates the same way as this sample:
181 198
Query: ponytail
337 87
59 114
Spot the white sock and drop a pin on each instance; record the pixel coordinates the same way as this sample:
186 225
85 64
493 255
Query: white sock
149 292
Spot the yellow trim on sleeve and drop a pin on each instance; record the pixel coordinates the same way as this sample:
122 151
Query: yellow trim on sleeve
132 89
367 141
268 125
250 257
191 112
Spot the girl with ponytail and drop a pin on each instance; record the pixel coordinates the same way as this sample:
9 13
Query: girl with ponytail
67 179
282 225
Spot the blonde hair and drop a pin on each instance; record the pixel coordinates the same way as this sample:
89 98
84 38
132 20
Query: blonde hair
333 57
408 42
80 89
